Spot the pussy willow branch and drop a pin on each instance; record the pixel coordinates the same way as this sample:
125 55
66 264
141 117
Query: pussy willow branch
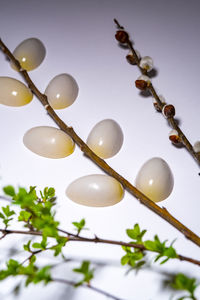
151 88
77 238
162 212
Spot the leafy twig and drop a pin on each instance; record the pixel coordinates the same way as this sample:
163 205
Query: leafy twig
74 238
162 212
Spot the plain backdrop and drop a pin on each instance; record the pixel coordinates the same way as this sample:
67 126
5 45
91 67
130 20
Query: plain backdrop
79 39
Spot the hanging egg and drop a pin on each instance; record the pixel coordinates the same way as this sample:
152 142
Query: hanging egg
13 92
95 190
106 138
155 179
30 53
62 91
48 142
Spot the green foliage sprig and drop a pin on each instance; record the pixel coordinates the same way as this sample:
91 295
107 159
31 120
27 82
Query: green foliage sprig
37 214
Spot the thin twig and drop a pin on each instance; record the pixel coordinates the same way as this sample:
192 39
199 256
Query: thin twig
163 213
74 238
151 88
88 286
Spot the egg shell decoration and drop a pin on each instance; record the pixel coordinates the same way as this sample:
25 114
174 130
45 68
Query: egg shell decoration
49 142
95 190
13 92
62 91
30 53
106 138
155 179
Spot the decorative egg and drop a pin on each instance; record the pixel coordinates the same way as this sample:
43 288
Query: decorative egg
13 92
48 142
155 179
62 91
95 190
30 53
106 138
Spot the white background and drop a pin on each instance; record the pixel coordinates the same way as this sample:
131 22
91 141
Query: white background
79 38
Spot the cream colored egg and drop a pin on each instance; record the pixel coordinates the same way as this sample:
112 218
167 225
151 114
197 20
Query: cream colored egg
13 92
30 53
95 190
155 179
62 91
106 138
48 142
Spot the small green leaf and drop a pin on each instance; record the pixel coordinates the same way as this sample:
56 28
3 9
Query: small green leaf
37 246
27 246
32 259
85 270
9 190
124 260
7 211
79 225
135 233
24 216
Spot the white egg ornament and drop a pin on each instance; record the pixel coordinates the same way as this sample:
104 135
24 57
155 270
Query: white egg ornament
30 53
48 142
106 138
155 179
13 92
95 190
62 91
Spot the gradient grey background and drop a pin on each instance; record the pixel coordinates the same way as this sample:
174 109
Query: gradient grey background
79 38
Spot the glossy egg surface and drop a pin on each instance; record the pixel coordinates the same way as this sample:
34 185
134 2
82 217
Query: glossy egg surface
48 142
30 53
95 190
155 179
13 92
62 91
106 138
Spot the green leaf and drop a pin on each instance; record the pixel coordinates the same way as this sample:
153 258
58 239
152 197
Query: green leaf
87 273
124 260
44 242
7 211
9 190
182 282
79 225
43 275
161 249
37 246
150 245
24 216
33 259
135 233
27 246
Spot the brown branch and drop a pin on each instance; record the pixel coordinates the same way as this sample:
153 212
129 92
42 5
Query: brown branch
74 238
88 286
151 88
162 212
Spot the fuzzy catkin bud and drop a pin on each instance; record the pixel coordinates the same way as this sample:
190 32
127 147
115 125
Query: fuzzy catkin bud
146 63
131 58
173 136
122 36
168 111
142 82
